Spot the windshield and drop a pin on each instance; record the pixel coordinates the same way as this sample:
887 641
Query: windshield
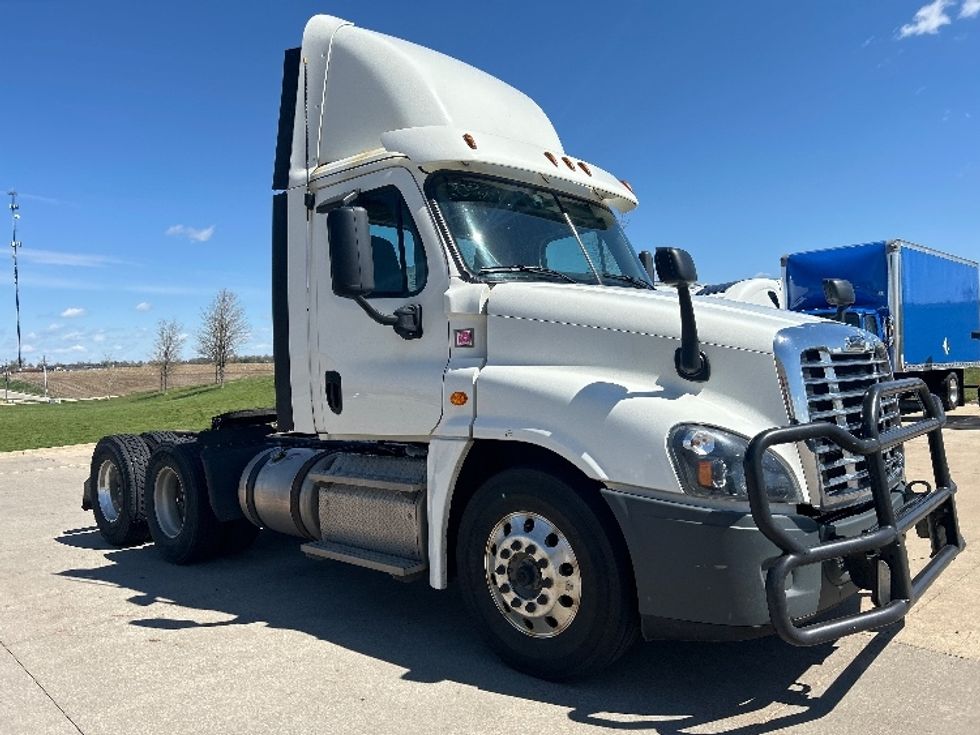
504 230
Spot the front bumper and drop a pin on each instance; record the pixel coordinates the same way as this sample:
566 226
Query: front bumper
877 558
708 573
700 572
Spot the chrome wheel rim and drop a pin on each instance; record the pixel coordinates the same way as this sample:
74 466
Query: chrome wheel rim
954 393
110 491
532 574
168 502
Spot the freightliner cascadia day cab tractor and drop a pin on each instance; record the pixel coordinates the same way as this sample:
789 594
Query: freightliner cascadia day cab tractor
477 384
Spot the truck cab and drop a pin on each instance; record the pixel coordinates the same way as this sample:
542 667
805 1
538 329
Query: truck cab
478 383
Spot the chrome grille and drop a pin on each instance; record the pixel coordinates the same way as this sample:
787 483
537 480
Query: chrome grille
835 384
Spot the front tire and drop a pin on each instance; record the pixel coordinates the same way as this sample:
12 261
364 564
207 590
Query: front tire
116 478
545 574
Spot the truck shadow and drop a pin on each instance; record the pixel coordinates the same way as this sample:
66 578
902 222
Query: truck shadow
966 422
662 687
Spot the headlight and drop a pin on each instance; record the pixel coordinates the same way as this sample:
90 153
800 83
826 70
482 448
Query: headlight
708 462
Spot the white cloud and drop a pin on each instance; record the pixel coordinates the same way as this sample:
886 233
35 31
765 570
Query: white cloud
868 41
72 311
27 349
98 338
928 19
75 260
191 233
970 9
73 348
70 336
144 306
52 327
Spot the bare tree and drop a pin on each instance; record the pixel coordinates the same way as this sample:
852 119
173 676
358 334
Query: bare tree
223 329
166 349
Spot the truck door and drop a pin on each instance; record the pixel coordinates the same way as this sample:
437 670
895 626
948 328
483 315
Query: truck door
367 380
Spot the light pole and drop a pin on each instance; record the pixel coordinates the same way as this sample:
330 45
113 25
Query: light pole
14 246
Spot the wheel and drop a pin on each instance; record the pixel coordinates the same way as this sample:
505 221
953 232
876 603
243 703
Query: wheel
116 478
154 439
178 510
550 585
951 389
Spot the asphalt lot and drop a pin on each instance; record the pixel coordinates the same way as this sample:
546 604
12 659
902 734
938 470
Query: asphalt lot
98 640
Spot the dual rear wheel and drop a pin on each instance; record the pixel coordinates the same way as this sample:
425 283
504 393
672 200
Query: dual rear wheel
138 495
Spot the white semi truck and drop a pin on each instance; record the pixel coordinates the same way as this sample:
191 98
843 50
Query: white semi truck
478 384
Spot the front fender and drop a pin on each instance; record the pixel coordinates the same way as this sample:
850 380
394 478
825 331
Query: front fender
613 425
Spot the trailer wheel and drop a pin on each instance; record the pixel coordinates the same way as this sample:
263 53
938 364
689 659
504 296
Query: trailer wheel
951 391
117 474
550 586
154 439
178 510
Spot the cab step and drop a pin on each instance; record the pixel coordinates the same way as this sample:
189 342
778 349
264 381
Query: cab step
396 566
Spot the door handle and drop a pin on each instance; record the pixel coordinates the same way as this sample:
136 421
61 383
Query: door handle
333 391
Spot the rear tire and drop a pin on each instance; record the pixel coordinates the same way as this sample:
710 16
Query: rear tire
178 510
116 478
545 575
952 390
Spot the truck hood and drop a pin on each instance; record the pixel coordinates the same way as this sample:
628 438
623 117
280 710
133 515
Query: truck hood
721 323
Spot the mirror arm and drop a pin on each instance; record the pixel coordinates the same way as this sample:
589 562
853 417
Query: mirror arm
690 362
406 321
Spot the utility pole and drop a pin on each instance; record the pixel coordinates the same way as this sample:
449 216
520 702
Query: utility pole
14 246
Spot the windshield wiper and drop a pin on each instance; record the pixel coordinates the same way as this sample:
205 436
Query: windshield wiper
633 281
539 269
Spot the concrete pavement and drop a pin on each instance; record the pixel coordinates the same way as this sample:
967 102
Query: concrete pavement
99 640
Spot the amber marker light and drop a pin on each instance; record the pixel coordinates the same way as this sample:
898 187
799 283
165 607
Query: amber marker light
551 157
585 167
625 183
705 473
568 162
458 398
469 140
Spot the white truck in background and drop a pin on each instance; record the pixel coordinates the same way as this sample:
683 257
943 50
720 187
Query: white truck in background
478 384
760 290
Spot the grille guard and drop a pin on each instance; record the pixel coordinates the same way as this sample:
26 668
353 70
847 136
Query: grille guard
894 590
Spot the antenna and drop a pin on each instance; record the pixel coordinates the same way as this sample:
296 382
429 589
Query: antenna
14 246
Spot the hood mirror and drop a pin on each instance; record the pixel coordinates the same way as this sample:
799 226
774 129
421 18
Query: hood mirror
676 268
839 293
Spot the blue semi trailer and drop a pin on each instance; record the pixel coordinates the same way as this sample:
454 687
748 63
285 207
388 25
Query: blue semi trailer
924 304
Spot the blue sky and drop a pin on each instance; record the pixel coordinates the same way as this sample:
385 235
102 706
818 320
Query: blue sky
141 137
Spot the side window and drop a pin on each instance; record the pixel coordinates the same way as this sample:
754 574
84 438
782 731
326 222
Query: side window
399 258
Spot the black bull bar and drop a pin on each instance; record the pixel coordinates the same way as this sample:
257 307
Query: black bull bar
881 548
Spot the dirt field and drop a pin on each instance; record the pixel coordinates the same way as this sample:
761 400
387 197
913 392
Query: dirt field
121 381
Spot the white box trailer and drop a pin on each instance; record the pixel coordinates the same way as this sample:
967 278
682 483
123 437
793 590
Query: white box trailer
478 384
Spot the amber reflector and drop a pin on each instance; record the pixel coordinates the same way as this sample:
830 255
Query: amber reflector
459 398
470 140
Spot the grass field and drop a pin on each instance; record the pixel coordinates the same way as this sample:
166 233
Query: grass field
972 376
124 381
53 425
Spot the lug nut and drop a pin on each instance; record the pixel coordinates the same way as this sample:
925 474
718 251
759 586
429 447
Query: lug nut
505 553
530 607
531 549
505 588
500 569
516 546
542 599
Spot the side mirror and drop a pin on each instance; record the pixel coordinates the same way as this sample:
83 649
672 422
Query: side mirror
646 260
840 293
675 267
351 255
